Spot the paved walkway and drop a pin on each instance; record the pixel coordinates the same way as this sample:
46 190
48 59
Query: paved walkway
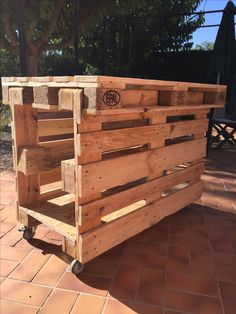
184 264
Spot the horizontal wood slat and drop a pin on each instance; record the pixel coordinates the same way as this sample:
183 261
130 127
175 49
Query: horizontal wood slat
97 241
55 127
45 157
106 174
90 214
92 144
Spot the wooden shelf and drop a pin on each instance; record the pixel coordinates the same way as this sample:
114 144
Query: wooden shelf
57 213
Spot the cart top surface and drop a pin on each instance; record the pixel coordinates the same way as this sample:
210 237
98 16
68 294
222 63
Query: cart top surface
102 81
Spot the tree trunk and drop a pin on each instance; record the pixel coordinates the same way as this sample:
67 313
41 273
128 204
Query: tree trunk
31 63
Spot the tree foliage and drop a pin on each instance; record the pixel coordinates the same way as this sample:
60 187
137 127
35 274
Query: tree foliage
113 34
206 45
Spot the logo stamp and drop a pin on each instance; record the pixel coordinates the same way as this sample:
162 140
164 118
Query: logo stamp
111 98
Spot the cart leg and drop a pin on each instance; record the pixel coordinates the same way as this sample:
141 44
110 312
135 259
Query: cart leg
76 267
28 232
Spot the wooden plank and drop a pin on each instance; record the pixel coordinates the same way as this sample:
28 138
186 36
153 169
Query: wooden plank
68 175
56 213
111 234
90 214
25 219
44 157
50 176
52 193
43 106
195 98
101 98
91 123
45 95
216 98
50 127
22 95
92 144
66 98
25 133
109 82
149 111
106 174
173 98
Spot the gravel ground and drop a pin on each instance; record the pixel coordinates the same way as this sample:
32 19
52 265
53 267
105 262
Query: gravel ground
6 151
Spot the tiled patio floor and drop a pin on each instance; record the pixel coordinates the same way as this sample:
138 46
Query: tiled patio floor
184 264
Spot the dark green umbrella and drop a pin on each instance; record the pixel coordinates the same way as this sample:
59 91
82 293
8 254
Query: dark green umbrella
223 59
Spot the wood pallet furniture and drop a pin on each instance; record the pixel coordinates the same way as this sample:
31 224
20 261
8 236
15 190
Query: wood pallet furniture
100 159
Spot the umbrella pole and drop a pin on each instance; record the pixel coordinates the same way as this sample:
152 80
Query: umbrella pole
218 78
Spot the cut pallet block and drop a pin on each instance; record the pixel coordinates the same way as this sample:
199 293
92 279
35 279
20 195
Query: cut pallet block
100 159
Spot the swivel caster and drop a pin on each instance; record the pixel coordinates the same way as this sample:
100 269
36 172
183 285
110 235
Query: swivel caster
76 267
28 232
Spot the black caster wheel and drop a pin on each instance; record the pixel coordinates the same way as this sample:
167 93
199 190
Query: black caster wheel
28 233
76 267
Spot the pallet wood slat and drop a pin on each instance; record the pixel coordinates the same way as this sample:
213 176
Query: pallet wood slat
49 127
46 156
99 159
103 175
97 242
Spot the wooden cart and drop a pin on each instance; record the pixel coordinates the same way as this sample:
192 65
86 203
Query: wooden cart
100 159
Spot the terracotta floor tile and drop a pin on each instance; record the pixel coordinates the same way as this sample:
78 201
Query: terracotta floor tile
142 236
224 259
188 232
175 312
11 219
12 237
1 279
233 244
13 253
6 267
201 244
224 273
202 262
178 218
113 254
88 304
59 302
27 270
192 303
221 220
125 282
228 293
158 234
53 235
146 248
178 259
119 307
51 271
16 308
220 243
40 233
192 283
6 211
101 268
22 292
144 260
151 287
85 283
6 226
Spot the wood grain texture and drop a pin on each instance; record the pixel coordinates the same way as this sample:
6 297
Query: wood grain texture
106 174
111 234
91 213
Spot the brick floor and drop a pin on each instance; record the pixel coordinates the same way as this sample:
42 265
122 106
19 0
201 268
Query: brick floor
184 264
